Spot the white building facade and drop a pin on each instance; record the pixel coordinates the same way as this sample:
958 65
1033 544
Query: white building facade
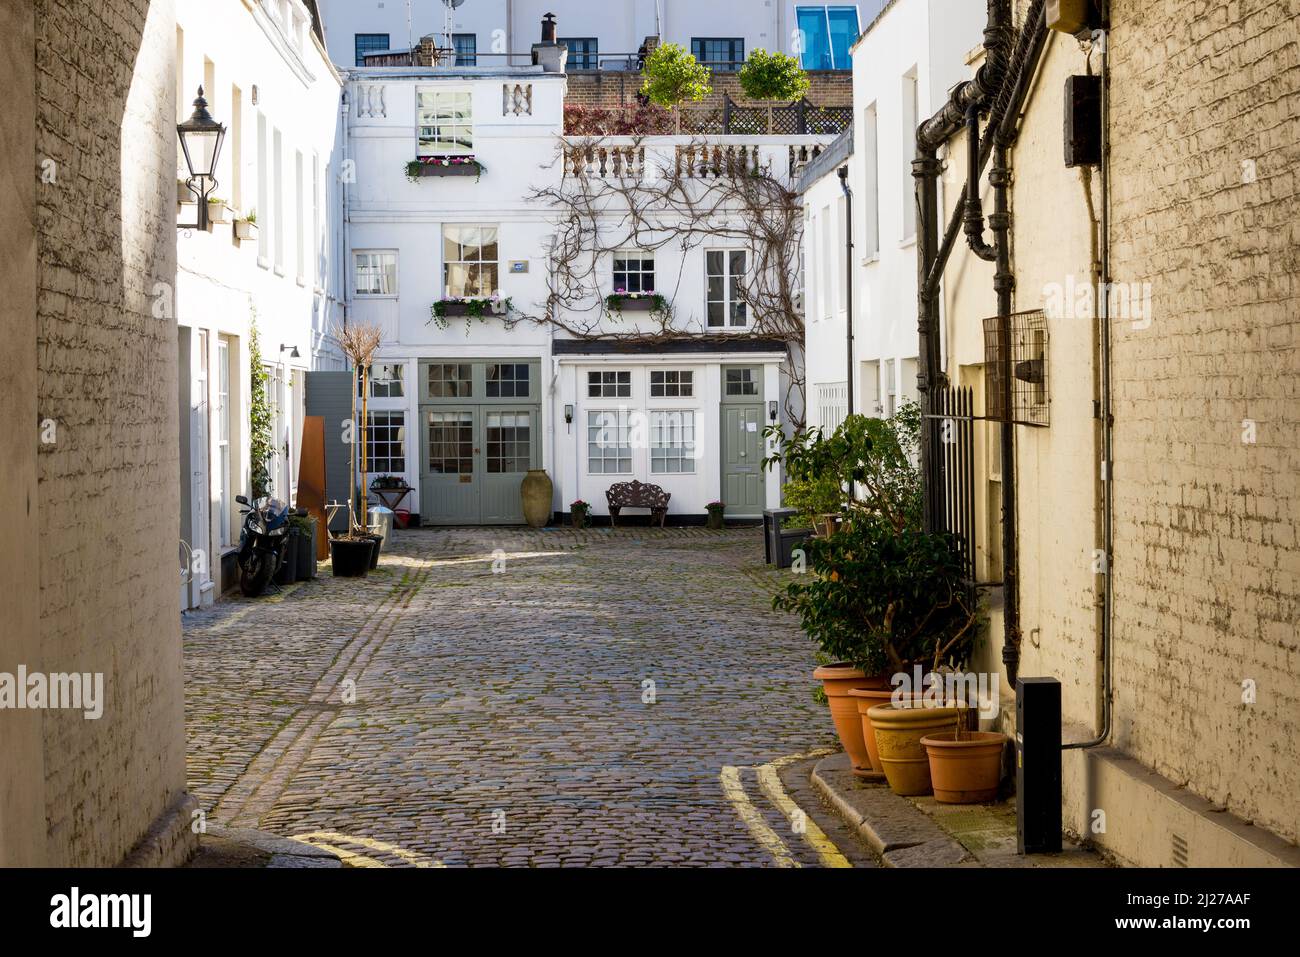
270 260
905 63
463 406
601 34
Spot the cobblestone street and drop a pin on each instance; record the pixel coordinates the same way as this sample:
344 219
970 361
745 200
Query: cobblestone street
498 715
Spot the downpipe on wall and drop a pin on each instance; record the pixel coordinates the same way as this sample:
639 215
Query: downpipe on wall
848 281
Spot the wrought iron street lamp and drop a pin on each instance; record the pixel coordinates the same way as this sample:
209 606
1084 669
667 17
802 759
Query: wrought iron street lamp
201 137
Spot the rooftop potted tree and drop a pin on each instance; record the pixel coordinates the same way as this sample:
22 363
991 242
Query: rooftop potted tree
773 77
672 76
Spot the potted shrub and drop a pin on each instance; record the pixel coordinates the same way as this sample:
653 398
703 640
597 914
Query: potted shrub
246 228
287 573
882 594
306 526
772 77
470 307
579 513
717 511
443 166
965 765
351 552
218 211
621 301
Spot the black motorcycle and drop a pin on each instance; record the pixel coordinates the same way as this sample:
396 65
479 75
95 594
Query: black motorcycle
261 542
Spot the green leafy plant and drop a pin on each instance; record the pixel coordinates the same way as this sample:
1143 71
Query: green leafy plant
614 302
251 217
412 168
773 77
672 76
475 308
812 498
883 598
261 447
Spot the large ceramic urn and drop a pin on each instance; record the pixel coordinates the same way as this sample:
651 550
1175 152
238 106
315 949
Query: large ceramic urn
537 492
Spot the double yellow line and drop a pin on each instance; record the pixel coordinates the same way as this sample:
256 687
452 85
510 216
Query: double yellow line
769 782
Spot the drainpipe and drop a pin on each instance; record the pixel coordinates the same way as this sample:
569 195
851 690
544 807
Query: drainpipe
848 278
1107 417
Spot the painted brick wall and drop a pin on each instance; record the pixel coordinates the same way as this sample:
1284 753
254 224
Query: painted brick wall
609 89
107 377
1206 142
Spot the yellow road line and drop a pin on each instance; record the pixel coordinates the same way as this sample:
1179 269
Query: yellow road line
735 793
329 840
770 784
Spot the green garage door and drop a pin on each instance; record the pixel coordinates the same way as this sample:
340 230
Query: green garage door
480 433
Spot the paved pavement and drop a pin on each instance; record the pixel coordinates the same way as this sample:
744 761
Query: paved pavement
514 697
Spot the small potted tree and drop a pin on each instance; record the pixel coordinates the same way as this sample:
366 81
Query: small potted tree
717 511
579 513
351 552
965 763
671 77
773 77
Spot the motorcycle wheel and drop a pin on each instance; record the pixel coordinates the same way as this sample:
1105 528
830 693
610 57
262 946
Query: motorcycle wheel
254 574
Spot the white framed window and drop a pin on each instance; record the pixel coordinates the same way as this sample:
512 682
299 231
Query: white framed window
672 383
725 270
672 441
386 443
375 272
827 296
446 123
832 405
300 204
469 261
277 220
609 385
263 190
871 177
634 271
911 111
609 445
387 381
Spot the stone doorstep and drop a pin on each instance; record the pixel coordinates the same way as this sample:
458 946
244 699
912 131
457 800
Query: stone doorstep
921 832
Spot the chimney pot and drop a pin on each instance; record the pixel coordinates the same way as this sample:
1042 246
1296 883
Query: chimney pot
548 28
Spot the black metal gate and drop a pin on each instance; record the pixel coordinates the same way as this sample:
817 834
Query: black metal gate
952 424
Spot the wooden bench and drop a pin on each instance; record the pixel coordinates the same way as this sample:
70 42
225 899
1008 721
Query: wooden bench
637 494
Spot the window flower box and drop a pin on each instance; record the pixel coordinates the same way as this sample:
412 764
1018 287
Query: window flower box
443 166
469 307
245 229
218 211
620 302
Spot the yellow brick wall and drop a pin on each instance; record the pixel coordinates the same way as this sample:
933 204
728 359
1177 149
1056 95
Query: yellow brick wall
1206 97
107 377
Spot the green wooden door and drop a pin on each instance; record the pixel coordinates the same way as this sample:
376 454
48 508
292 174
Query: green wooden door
743 478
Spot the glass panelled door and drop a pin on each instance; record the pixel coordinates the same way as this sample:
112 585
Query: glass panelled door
449 490
480 434
508 451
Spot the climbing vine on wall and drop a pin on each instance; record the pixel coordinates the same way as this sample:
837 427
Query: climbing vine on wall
261 443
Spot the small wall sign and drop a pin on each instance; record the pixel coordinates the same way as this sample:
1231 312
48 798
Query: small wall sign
518 265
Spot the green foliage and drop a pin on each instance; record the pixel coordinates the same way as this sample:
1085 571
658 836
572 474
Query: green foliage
883 598
614 304
882 593
773 76
812 497
261 444
479 309
672 76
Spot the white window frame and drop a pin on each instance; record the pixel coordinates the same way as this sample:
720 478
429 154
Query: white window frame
641 255
681 447
446 263
729 302
226 348
685 380
373 443
442 145
620 452
610 377
356 270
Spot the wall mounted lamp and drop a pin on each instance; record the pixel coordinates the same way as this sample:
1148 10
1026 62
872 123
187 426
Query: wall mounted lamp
201 137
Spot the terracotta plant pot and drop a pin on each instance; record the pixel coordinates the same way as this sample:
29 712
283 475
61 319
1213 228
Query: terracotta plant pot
966 771
838 680
898 740
537 491
865 697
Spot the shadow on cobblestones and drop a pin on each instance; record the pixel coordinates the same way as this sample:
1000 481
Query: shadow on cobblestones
498 715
